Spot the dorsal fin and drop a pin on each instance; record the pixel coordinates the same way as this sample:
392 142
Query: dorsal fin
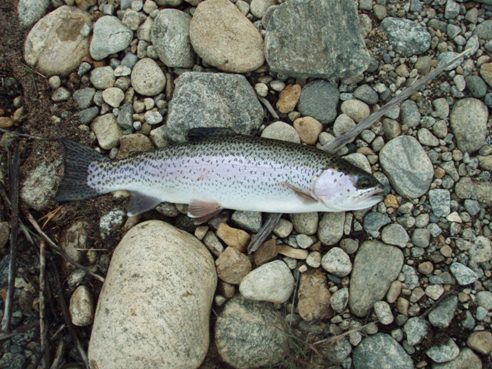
201 133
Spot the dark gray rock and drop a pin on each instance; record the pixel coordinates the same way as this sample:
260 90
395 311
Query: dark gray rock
376 265
373 222
331 47
410 114
407 37
476 85
249 334
170 37
83 97
469 123
367 94
442 315
212 100
407 166
381 351
484 30
125 116
440 201
87 115
319 99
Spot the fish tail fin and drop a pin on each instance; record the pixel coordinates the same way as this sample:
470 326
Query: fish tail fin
77 159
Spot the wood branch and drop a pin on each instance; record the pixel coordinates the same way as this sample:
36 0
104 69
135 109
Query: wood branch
14 229
43 331
337 143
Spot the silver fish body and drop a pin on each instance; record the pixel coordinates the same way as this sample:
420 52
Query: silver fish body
238 172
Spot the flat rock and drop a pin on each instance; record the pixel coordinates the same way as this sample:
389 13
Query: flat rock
407 166
250 334
30 11
407 37
395 234
110 36
170 35
463 274
281 131
444 352
213 100
442 315
159 289
376 265
416 329
40 184
232 266
107 131
381 351
319 100
272 282
466 188
469 123
314 296
339 50
147 77
224 38
467 359
55 45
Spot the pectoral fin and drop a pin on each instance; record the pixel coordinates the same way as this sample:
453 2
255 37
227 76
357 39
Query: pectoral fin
140 203
306 196
202 211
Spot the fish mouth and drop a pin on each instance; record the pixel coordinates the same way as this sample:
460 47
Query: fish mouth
375 194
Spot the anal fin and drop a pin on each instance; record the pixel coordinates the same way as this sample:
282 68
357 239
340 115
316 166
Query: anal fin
304 195
202 211
140 203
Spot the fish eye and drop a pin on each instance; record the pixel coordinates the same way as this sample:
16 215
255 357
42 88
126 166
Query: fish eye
364 182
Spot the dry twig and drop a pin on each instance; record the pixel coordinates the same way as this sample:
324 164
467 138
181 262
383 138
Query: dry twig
14 228
43 331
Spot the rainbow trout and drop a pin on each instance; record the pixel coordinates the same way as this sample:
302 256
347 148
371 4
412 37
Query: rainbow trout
216 170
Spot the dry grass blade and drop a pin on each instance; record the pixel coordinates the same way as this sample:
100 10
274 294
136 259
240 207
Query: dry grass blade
58 355
50 215
14 228
330 340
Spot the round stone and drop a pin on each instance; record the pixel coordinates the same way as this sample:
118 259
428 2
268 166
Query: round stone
113 96
481 342
406 36
288 98
55 45
224 38
355 109
407 166
107 131
110 36
271 282
102 77
147 77
308 129
395 234
469 123
337 262
81 307
319 99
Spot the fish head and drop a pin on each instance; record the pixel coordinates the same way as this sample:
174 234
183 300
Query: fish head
343 190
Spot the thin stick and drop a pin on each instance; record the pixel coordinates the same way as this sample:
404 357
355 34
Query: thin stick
264 232
66 315
25 135
347 137
43 332
58 355
14 229
58 249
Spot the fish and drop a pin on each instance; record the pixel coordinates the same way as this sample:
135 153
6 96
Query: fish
218 169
